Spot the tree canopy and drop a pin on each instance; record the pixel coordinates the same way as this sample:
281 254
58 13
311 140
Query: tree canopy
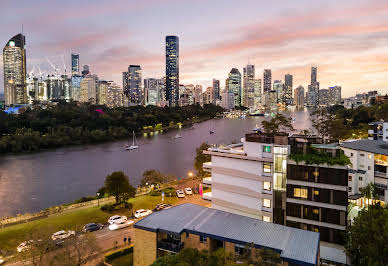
155 177
201 158
277 124
117 185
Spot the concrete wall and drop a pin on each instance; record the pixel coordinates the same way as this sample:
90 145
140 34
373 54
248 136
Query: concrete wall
144 252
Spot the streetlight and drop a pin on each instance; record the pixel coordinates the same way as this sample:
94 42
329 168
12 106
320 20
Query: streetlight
98 199
190 174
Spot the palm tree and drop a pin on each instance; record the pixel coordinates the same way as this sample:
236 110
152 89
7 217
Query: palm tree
370 192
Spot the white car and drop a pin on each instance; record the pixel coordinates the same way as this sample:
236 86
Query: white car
62 234
142 213
180 194
1 260
26 245
117 219
188 191
123 224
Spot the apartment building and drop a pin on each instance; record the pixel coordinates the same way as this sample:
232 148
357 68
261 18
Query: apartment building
194 226
249 178
369 163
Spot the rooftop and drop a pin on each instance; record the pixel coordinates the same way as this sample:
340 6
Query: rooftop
368 145
293 245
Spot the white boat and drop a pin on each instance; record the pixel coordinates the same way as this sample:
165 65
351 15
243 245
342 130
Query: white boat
133 146
177 136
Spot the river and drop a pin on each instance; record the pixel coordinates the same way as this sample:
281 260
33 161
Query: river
31 182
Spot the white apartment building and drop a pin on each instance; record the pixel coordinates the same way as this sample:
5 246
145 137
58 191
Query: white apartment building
369 163
244 176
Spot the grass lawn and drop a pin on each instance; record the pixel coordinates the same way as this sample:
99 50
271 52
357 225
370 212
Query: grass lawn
126 260
12 236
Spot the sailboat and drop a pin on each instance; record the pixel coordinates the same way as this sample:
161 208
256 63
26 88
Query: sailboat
177 136
133 146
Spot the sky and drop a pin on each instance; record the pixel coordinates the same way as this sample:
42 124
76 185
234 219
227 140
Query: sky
347 40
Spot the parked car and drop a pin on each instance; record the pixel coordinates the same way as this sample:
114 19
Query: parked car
1 260
92 227
117 219
142 213
26 245
188 191
180 194
123 224
162 206
62 234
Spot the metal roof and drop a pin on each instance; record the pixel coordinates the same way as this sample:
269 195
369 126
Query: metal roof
294 245
368 145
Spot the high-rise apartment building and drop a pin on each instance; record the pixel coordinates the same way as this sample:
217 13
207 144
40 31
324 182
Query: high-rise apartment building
324 97
74 64
216 91
102 92
334 95
172 70
299 97
287 93
88 89
258 94
58 87
114 95
132 85
152 89
14 64
198 94
76 87
248 92
313 75
233 85
278 87
267 80
313 89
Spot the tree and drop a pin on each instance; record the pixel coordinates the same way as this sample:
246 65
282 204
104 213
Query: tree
366 238
154 177
370 193
201 158
322 121
277 124
117 185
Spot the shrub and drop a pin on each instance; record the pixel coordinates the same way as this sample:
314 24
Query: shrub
119 253
116 207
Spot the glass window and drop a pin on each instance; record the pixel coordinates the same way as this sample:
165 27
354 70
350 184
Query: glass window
267 168
350 189
266 148
362 155
369 156
267 186
300 193
350 178
316 211
202 239
368 167
316 192
360 178
306 175
351 154
239 249
267 203
266 219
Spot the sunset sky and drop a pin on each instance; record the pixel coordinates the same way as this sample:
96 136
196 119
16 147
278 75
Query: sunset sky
347 40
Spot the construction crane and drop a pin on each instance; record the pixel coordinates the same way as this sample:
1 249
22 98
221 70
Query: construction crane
32 71
56 69
64 65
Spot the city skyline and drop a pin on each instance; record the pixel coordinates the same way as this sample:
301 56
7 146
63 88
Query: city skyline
348 46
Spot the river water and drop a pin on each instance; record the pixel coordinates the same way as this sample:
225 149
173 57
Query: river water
31 182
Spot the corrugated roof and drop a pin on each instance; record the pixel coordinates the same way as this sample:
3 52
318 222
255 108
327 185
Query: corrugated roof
368 145
293 244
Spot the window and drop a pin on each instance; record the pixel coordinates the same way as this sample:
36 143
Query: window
239 249
306 175
202 239
351 154
316 211
316 192
369 156
266 219
267 168
350 178
368 167
316 229
267 203
362 155
359 189
300 193
360 178
350 189
266 148
267 185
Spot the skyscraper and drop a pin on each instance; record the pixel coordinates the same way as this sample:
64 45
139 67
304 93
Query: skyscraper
172 70
74 64
287 93
233 84
132 85
152 89
299 97
267 80
216 90
313 89
248 92
313 75
88 90
14 62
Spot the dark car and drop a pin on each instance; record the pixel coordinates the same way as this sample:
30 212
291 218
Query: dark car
92 227
162 206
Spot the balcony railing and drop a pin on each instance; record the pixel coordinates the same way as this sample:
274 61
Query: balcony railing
380 174
207 181
172 246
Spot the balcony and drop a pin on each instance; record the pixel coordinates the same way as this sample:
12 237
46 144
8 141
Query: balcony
266 209
207 166
266 191
170 245
380 174
207 196
207 181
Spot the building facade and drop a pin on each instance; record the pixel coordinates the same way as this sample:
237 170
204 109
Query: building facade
287 90
267 80
14 64
74 64
152 89
132 85
88 89
299 97
248 92
115 95
216 91
172 70
233 85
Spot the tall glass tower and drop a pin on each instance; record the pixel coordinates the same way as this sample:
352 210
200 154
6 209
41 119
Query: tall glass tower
132 85
172 70
14 62
74 64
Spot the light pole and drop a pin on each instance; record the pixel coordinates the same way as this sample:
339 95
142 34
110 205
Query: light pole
98 199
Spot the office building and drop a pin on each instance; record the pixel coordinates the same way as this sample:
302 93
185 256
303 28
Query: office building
257 98
85 70
267 80
14 64
248 92
74 64
216 91
233 85
334 95
114 95
198 95
278 87
287 93
313 89
132 85
58 87
324 97
228 100
76 87
102 92
152 89
172 70
88 89
193 226
299 97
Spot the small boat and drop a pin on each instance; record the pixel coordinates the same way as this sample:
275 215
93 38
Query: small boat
211 131
177 136
133 146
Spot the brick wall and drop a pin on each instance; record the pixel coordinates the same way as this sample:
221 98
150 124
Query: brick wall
144 252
